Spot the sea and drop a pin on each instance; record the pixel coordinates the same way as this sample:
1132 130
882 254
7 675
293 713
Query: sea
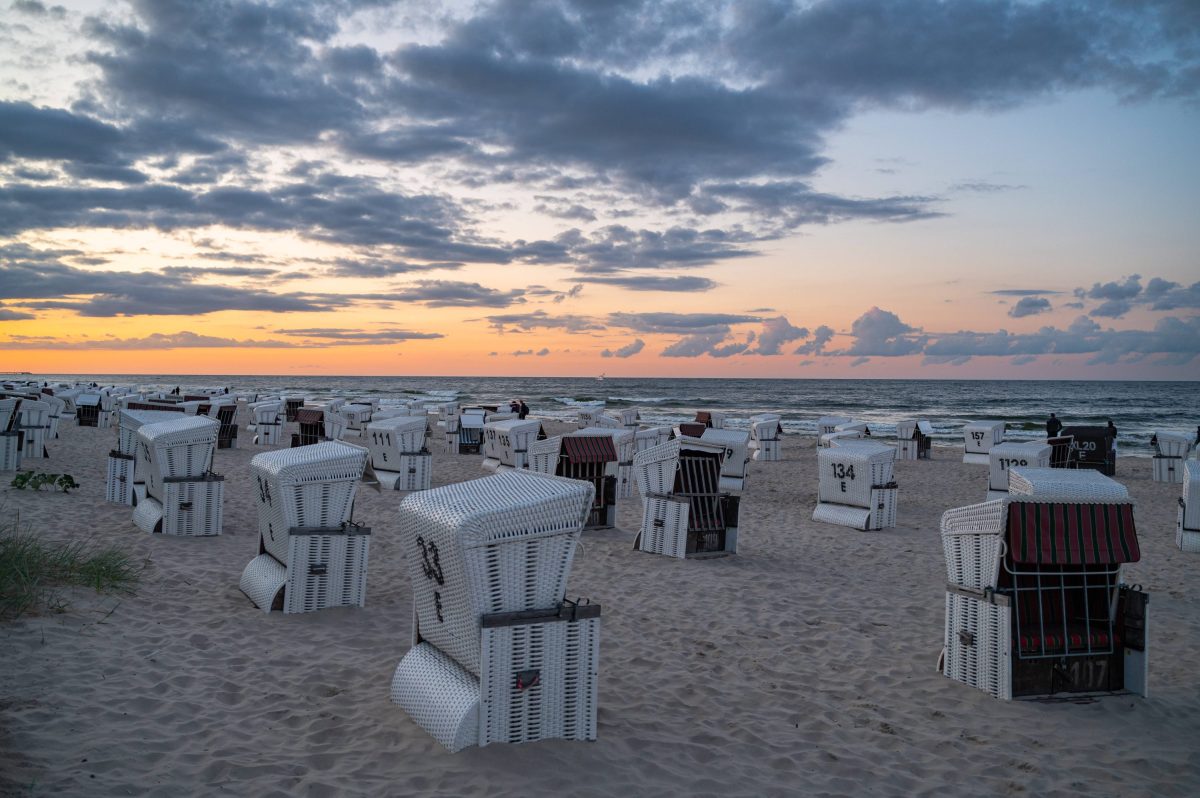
1138 409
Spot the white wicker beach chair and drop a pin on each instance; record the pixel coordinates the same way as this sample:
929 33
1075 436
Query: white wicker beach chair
591 458
12 438
913 440
1009 454
1187 525
267 422
310 555
291 404
736 457
1034 601
122 481
828 424
855 487
979 437
399 458
470 430
684 514
765 433
506 442
183 496
34 422
627 417
57 410
711 419
625 443
1171 449
644 439
498 655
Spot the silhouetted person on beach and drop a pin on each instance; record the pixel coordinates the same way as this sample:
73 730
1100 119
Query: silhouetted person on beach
1198 434
522 410
1053 426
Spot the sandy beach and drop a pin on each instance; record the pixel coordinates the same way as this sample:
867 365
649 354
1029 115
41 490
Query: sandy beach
805 665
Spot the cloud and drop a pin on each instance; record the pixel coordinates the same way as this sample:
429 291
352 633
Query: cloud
629 350
881 333
1024 292
540 319
703 323
181 340
821 336
655 283
542 352
365 337
775 333
1029 306
7 314
454 294
695 345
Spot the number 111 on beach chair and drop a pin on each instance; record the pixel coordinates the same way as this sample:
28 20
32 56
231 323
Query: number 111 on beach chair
498 655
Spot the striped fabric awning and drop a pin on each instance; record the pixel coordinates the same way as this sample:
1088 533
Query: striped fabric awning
1072 534
589 448
308 415
150 406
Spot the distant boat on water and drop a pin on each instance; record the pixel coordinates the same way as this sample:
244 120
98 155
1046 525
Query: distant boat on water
601 377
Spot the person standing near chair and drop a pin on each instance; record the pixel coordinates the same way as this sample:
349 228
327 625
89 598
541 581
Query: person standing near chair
523 410
1053 426
1111 432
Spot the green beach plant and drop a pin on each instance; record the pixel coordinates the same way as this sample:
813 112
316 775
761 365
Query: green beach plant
32 571
35 480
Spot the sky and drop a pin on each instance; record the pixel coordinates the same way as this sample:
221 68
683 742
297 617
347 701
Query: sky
864 188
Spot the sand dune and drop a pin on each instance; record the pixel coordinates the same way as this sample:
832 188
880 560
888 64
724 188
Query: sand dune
805 665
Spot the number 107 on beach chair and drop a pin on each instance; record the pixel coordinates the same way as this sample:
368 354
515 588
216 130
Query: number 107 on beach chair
498 654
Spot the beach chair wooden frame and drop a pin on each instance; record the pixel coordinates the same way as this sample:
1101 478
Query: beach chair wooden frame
589 458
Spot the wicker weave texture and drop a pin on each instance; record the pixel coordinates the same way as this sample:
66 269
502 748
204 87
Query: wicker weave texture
623 440
1167 469
130 421
148 514
507 442
192 509
543 455
977 644
1173 444
767 451
501 543
848 473
737 452
1191 495
413 472
439 695
1065 485
980 436
118 484
644 439
10 452
34 421
182 447
391 438
562 703
664 527
1003 456
306 486
326 571
1186 539
973 542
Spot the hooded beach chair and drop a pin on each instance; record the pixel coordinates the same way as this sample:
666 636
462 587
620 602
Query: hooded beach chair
1187 525
226 414
765 433
590 458
311 556
855 487
122 480
470 430
34 422
625 445
828 424
1035 605
499 655
978 439
268 422
12 438
627 417
1095 447
684 513
1062 452
1010 454
182 495
735 458
845 431
356 415
651 436
711 419
914 440
291 405
1171 449
399 458
316 425
506 442
57 411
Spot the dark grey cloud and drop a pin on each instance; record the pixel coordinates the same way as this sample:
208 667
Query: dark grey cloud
7 314
1029 306
629 350
455 294
384 267
191 272
821 337
38 9
617 248
365 337
775 333
180 340
540 319
692 323
651 282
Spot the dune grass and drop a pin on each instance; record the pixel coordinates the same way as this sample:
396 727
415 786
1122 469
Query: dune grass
32 571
